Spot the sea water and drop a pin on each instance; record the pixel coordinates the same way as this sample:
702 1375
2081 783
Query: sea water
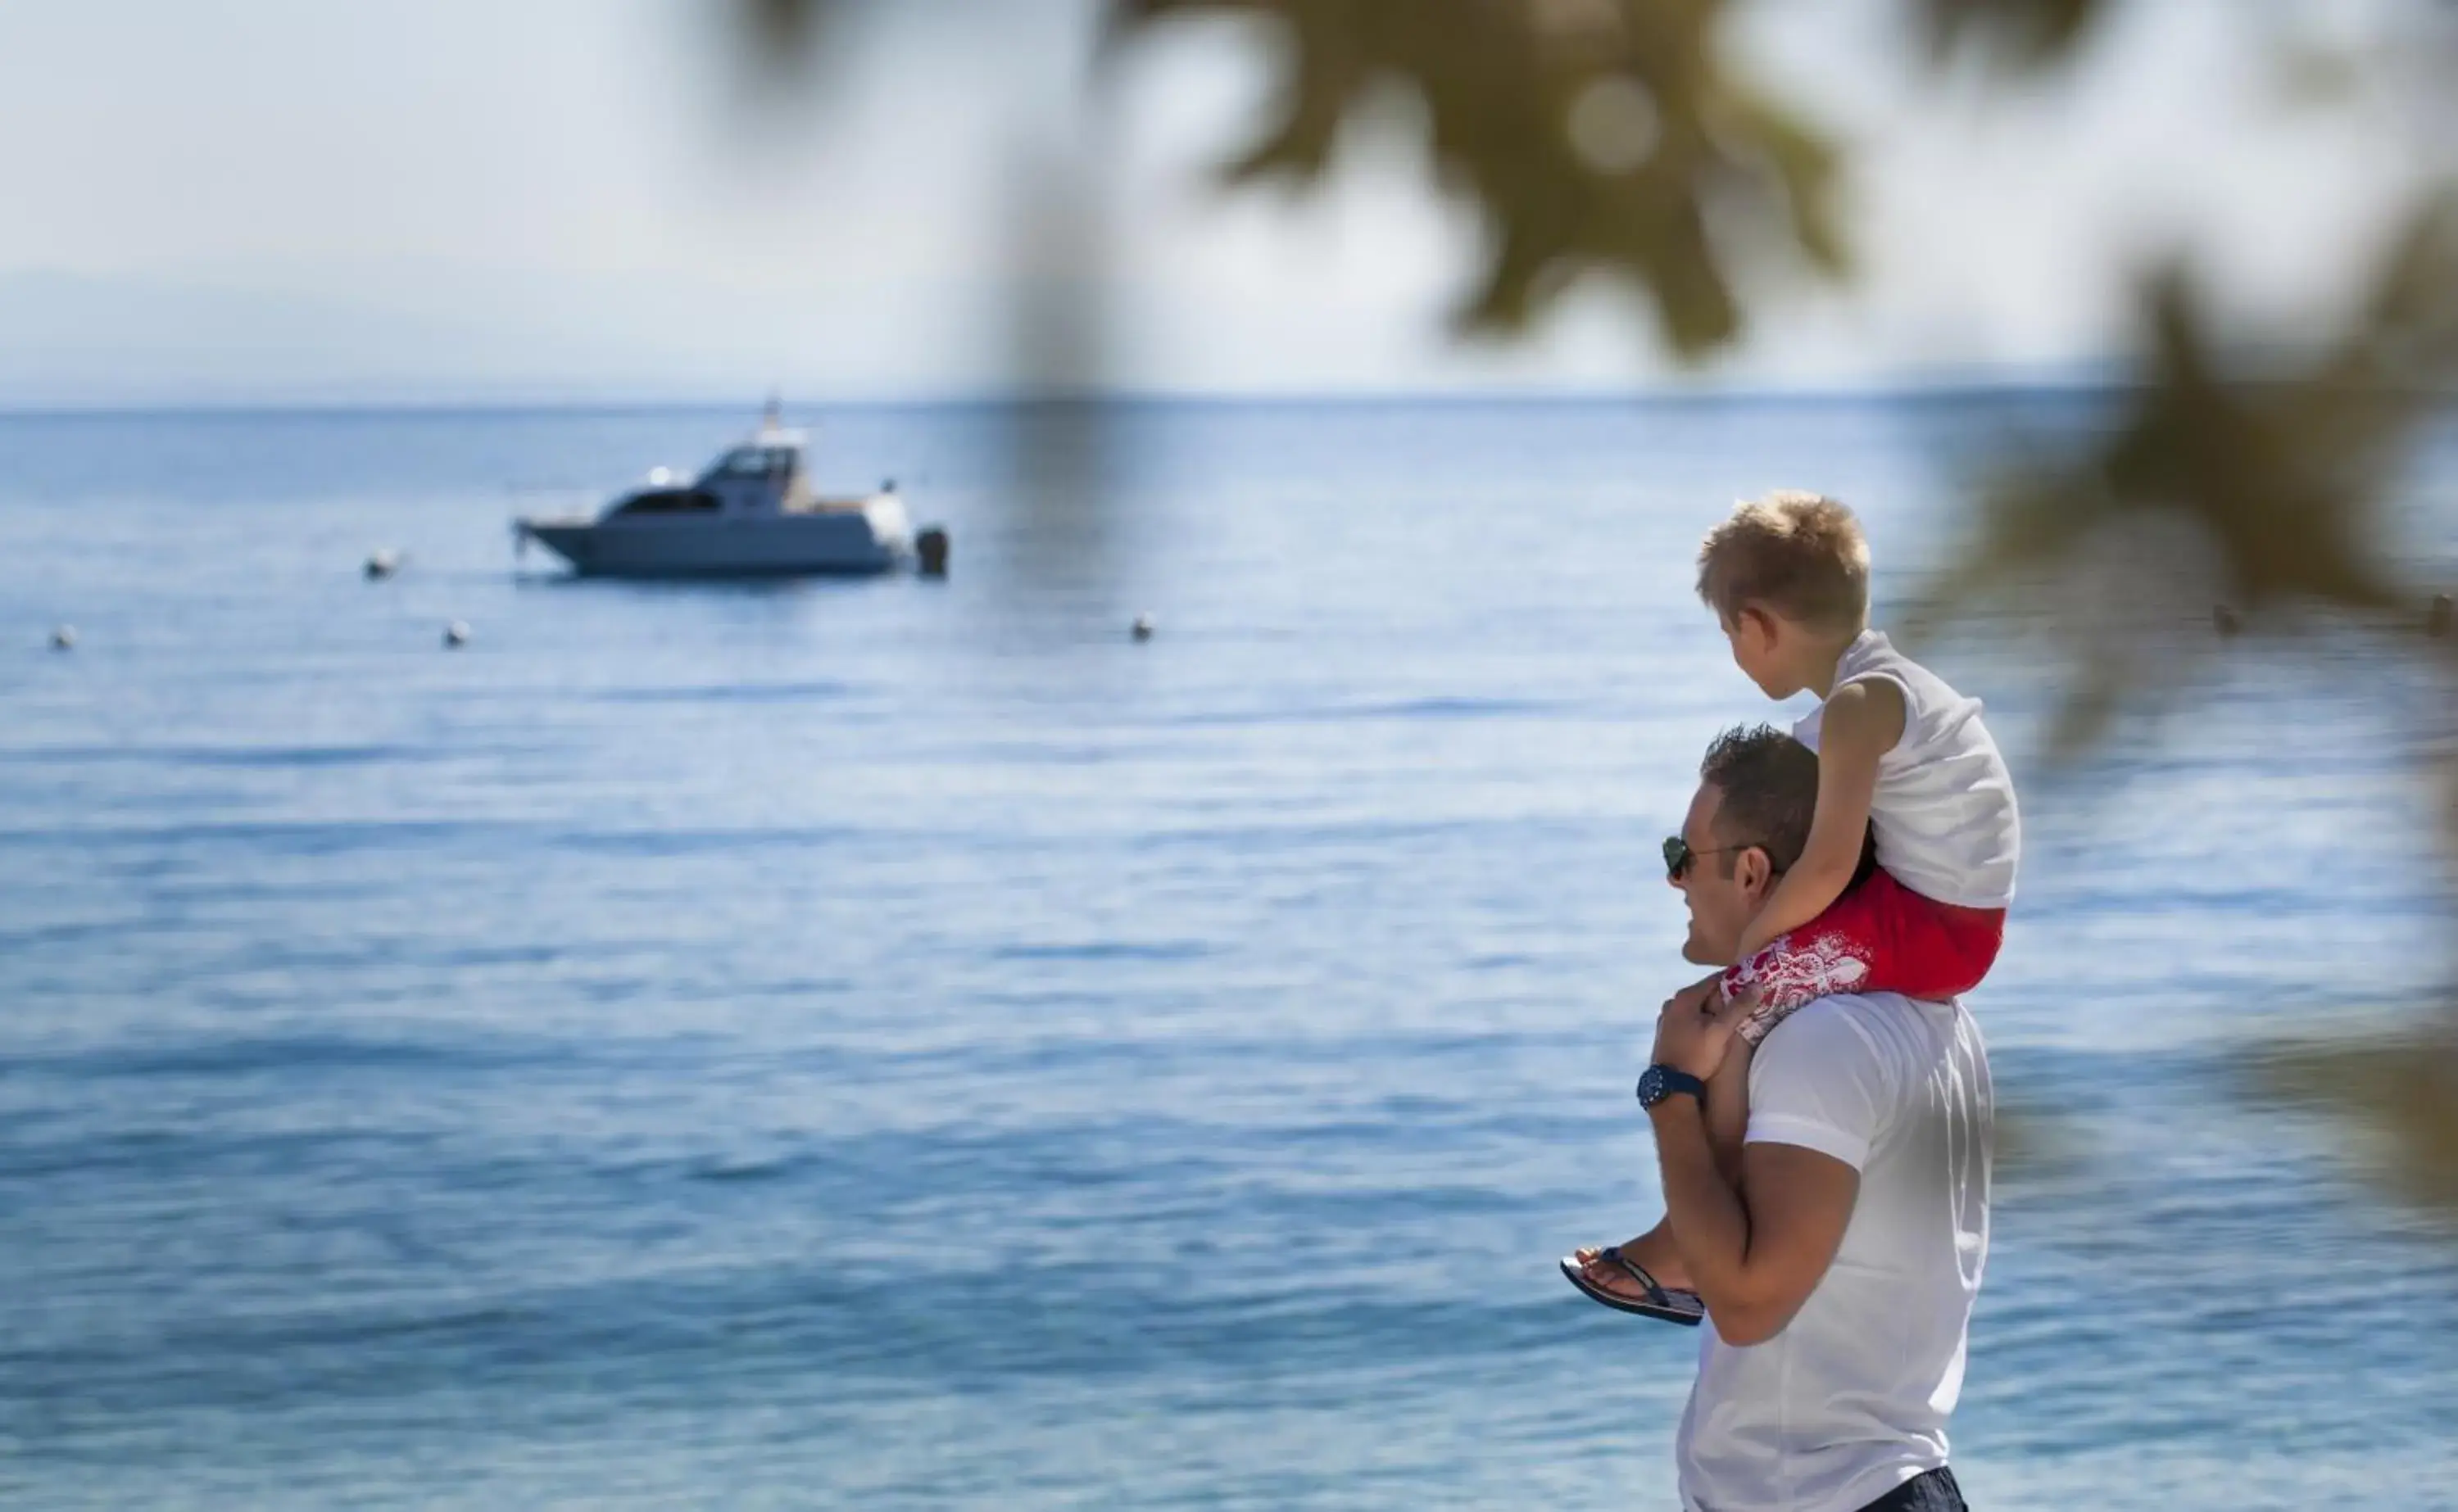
901 1044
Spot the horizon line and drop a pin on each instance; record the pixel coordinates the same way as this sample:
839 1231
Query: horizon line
1898 388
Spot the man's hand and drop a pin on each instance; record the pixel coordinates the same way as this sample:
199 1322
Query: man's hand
1695 1028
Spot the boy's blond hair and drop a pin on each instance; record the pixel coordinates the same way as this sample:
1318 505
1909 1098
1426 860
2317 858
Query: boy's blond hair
1799 554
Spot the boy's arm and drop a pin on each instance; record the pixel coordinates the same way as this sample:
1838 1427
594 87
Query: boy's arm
1862 722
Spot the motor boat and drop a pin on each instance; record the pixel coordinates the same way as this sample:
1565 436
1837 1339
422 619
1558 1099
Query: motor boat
751 514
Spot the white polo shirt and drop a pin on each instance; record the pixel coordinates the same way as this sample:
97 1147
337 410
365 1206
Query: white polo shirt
1851 1398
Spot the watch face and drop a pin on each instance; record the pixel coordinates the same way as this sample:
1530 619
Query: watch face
1651 1087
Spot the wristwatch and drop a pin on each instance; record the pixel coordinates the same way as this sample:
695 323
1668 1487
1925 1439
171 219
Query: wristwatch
1658 1083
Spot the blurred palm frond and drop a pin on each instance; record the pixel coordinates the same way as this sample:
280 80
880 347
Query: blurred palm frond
1592 135
2023 34
2279 472
784 33
2398 1096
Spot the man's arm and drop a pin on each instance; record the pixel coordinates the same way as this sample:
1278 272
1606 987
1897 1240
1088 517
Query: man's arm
1755 1250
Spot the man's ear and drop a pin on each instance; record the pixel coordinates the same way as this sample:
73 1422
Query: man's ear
1754 870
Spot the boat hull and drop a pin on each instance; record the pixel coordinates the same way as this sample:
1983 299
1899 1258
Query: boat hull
846 543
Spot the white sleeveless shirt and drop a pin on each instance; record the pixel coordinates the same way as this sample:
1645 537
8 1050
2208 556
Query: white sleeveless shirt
1944 810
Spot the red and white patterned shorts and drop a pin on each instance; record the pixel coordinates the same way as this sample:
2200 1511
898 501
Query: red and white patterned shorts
1878 937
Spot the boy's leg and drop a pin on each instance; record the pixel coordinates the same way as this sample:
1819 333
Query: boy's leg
1728 1108
1653 1252
1728 1118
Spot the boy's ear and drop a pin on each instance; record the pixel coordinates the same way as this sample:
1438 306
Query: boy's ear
1753 617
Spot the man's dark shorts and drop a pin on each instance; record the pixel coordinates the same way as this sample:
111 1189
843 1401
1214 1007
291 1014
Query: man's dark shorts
1933 1491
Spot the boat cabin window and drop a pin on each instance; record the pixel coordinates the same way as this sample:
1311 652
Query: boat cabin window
756 462
669 501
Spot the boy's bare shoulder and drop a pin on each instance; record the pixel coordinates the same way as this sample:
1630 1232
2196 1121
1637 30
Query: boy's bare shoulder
1868 694
1871 707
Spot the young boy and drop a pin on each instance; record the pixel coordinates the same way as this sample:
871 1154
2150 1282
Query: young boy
1901 755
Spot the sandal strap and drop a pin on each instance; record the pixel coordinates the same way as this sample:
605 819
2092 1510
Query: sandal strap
1638 1273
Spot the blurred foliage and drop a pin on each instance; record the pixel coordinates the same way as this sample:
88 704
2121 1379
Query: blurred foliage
783 30
2398 1096
2240 484
1591 134
2026 32
2280 475
782 38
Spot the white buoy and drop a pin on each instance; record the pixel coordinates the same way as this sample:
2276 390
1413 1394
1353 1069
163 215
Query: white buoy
64 637
1143 627
383 565
457 634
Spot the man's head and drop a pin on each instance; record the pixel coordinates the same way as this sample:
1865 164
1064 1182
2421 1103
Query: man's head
1787 577
1748 823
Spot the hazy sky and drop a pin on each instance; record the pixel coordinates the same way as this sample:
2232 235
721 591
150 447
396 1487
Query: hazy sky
233 201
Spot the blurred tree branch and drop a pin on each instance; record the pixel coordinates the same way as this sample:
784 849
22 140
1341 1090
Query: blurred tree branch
2027 33
1592 135
2281 473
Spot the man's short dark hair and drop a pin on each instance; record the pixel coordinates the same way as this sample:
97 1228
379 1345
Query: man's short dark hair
1768 782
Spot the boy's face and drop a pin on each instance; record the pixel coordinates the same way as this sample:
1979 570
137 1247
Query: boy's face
1757 640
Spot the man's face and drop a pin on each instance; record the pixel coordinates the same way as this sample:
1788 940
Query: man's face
1723 886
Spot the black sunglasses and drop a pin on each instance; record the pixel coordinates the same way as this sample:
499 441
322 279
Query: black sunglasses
1678 857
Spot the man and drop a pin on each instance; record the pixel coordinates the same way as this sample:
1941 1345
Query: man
1840 1263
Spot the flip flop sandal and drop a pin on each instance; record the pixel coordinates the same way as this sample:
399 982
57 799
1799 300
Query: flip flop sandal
1672 1307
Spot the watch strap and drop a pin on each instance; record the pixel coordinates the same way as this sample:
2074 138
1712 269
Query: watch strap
1671 1082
